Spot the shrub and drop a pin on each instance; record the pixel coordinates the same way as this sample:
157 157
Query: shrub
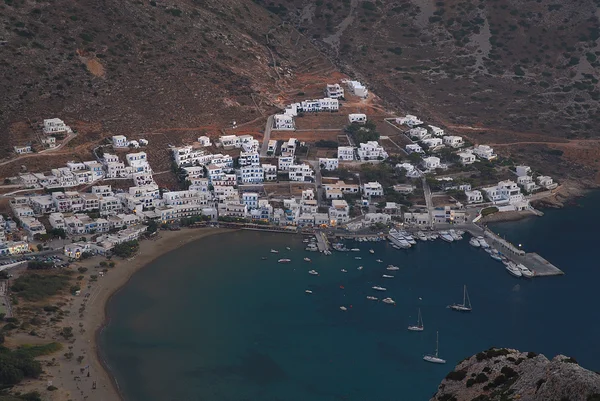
531 355
456 375
509 372
36 287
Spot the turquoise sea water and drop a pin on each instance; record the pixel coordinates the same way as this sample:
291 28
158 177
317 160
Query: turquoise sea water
212 321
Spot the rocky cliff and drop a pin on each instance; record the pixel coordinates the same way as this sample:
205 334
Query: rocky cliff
507 374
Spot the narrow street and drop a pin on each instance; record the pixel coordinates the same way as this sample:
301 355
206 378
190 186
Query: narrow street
267 136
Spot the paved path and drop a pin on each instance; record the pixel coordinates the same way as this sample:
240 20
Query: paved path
267 136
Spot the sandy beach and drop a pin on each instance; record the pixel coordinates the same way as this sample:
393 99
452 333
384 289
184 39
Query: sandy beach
69 375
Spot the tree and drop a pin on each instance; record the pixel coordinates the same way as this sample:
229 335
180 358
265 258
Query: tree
58 233
40 247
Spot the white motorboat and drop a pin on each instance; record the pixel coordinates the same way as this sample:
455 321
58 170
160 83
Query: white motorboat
388 301
307 260
308 291
455 236
343 308
371 251
488 249
421 236
360 267
377 288
434 236
392 267
305 241
371 298
483 242
379 261
284 260
446 237
355 250
274 251
344 271
466 304
496 256
514 270
387 276
419 326
396 247
313 272
525 272
435 357
288 248
474 242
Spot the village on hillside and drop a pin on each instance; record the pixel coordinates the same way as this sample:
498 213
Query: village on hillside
318 164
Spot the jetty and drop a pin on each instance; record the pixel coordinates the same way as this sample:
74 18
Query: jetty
322 242
531 260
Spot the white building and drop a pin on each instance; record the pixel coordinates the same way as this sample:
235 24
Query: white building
283 122
419 133
357 89
453 141
339 212
249 159
235 210
230 141
334 91
21 150
466 157
372 189
414 148
358 118
250 199
270 172
474 196
284 162
120 141
345 153
431 163
271 146
301 172
432 142
371 150
49 142
437 131
252 174
410 120
204 141
505 192
484 152
328 163
523 170
289 148
329 104
526 181
546 182
374 218
56 126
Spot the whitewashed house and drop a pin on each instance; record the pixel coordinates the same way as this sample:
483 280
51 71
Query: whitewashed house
120 141
249 159
371 189
334 91
253 174
418 133
301 172
250 199
414 148
466 158
345 153
328 163
271 146
484 152
527 183
409 120
284 162
437 131
270 172
546 182
329 104
505 192
230 141
56 126
474 196
371 150
453 141
289 148
339 212
358 118
357 89
523 170
432 143
49 142
431 163
21 150
204 141
374 218
283 122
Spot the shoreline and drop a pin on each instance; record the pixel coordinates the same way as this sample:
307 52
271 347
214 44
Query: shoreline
66 374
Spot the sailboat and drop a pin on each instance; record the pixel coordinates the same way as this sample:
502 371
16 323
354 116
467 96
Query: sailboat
435 358
466 304
419 326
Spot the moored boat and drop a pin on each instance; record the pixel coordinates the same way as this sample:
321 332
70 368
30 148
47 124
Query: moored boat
284 260
387 276
369 297
313 272
344 271
466 304
343 308
392 267
378 288
446 237
474 242
360 267
419 326
307 260
308 291
379 261
435 357
388 301
513 270
274 251
525 272
371 251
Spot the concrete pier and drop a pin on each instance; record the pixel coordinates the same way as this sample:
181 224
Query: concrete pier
322 242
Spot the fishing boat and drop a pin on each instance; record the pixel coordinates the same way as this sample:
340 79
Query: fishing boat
371 251
284 260
446 237
379 261
313 272
308 291
388 301
435 358
344 271
360 267
387 276
307 260
466 304
392 267
525 272
371 298
377 288
274 251
474 242
513 270
343 308
419 326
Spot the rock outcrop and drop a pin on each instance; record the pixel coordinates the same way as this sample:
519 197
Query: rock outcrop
507 374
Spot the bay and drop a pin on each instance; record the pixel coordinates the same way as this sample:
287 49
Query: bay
212 321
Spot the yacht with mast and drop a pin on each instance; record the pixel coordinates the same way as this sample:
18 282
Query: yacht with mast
435 358
419 326
466 304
